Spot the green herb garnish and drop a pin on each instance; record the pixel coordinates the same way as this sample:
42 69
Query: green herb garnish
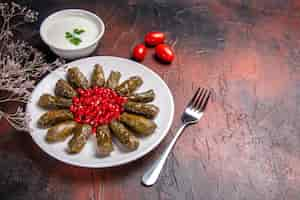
73 38
68 35
78 31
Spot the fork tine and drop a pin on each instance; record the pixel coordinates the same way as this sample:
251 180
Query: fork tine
194 97
201 98
198 98
205 101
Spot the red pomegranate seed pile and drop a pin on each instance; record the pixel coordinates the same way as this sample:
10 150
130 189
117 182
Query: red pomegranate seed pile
97 106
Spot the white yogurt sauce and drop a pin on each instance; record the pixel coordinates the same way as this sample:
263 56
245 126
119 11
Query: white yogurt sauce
55 31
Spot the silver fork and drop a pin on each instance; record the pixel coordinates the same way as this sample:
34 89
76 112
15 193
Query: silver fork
191 115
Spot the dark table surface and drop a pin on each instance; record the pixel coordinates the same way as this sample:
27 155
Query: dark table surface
248 144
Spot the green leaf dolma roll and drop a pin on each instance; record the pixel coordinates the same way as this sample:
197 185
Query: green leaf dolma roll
124 135
53 117
60 131
147 110
138 124
98 78
143 97
53 102
76 78
104 140
113 79
80 137
129 85
64 89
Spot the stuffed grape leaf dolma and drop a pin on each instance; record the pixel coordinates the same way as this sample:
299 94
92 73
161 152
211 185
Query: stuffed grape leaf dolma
60 131
77 78
63 89
143 97
51 102
104 140
53 117
124 135
113 79
80 137
138 124
148 110
98 78
129 85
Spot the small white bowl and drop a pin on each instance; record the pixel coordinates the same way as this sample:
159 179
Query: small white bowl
55 26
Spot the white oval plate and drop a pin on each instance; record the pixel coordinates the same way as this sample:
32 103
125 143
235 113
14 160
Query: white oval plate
88 156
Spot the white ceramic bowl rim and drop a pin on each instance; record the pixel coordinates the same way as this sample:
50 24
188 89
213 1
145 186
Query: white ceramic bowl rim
88 13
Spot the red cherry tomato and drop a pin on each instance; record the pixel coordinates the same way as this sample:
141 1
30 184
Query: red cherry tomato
154 38
164 53
139 52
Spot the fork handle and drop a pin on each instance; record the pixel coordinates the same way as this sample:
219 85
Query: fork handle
152 174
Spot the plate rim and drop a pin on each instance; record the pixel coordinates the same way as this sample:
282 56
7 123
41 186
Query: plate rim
117 163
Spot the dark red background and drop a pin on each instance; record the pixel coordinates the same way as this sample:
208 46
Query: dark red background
248 144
